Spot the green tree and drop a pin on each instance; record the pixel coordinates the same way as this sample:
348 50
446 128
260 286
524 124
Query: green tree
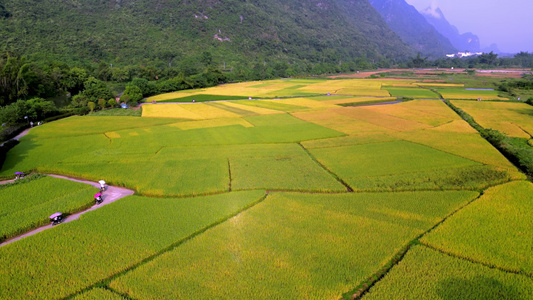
419 61
102 103
91 105
488 58
96 89
39 108
111 102
133 93
13 113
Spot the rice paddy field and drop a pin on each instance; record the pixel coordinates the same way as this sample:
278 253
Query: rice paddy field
513 119
305 191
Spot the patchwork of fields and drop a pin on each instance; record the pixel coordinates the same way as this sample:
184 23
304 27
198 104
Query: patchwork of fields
309 197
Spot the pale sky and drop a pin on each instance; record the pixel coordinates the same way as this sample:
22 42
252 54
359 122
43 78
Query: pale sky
508 23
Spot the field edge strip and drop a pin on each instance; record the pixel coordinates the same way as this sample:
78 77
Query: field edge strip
474 261
346 185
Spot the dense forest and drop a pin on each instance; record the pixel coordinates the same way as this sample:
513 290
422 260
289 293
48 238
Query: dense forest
239 35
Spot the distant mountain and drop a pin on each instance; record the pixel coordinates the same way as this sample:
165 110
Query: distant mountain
222 31
463 42
413 28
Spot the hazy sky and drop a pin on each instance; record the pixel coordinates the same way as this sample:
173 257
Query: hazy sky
508 23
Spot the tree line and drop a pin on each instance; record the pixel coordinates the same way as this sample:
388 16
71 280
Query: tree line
25 84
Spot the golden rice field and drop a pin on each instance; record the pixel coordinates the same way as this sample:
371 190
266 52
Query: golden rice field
300 195
513 119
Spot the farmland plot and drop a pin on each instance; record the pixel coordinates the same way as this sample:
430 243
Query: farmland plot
411 92
495 230
513 119
292 246
428 274
129 157
26 206
457 93
64 260
401 165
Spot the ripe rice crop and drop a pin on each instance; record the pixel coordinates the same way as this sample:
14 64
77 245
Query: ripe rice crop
349 140
129 159
76 126
70 257
28 205
170 111
171 177
399 165
495 229
391 123
292 246
273 105
202 98
285 172
427 274
238 111
358 91
513 119
457 126
212 123
433 113
37 154
304 102
332 118
456 93
208 111
411 92
345 100
470 146
247 108
440 85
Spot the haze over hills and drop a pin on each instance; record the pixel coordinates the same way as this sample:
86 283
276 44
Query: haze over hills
413 28
463 42
172 31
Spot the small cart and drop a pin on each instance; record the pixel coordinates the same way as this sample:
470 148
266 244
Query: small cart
56 218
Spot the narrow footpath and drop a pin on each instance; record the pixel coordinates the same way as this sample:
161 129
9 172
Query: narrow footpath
110 195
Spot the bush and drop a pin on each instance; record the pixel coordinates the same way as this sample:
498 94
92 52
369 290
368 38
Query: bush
111 103
133 93
5 148
91 105
11 132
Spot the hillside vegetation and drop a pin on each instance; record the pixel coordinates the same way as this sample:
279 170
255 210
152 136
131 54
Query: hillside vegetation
232 32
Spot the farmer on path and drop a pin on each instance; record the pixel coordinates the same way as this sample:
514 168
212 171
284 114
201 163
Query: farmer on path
102 185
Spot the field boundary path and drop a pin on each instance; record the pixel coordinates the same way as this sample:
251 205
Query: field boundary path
110 195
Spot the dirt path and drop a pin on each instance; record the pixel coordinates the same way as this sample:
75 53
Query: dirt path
110 195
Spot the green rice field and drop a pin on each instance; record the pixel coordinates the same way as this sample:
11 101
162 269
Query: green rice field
307 191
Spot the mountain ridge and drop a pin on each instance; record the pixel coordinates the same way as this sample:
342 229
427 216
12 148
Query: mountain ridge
169 31
413 28
463 42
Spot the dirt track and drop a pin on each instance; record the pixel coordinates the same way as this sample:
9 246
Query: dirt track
110 195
